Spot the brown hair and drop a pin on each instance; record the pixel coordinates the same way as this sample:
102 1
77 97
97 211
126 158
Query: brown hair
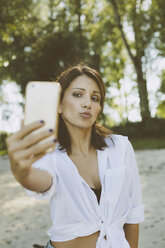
99 132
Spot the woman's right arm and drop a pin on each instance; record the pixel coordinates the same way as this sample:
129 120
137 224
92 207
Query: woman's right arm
23 150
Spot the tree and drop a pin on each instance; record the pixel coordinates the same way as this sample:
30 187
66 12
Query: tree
158 25
17 30
47 47
41 38
161 97
133 13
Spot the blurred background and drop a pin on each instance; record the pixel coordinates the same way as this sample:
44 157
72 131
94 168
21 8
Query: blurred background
123 40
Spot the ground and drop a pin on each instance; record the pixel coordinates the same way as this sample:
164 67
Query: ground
24 221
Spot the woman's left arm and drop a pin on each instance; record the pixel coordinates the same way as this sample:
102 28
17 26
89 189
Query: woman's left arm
136 211
132 234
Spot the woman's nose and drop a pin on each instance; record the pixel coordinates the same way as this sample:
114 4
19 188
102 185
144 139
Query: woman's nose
87 102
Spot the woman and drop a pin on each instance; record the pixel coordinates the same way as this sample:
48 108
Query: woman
91 177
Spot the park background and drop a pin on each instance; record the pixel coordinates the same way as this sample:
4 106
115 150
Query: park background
125 42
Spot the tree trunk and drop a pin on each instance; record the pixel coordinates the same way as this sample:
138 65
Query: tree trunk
78 11
143 93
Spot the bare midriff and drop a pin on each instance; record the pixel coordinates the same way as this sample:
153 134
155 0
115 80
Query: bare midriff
80 242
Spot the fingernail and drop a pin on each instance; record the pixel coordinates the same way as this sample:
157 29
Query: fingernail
55 140
42 121
50 130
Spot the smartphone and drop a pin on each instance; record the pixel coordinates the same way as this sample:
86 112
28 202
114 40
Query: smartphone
42 103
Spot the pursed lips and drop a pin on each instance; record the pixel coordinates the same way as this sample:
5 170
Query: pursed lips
86 114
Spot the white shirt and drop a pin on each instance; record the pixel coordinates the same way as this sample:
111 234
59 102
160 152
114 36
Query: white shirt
75 211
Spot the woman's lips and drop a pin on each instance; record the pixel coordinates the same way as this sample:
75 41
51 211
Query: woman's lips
86 115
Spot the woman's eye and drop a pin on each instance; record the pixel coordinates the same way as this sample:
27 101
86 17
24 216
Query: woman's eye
96 99
77 94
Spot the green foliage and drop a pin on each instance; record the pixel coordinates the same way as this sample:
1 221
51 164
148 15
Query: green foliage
161 106
17 19
158 24
3 136
162 78
161 110
39 39
42 49
46 58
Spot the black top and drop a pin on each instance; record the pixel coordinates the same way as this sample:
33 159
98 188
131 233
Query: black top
98 193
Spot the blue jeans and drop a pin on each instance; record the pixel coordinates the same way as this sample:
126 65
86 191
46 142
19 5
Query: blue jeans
49 245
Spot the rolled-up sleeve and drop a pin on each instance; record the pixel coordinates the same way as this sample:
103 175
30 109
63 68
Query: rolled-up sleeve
136 213
48 164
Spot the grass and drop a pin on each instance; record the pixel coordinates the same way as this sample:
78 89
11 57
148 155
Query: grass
3 152
148 143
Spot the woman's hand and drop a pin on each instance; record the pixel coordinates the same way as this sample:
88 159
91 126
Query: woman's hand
24 148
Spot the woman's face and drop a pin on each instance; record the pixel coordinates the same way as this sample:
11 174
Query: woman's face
80 105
